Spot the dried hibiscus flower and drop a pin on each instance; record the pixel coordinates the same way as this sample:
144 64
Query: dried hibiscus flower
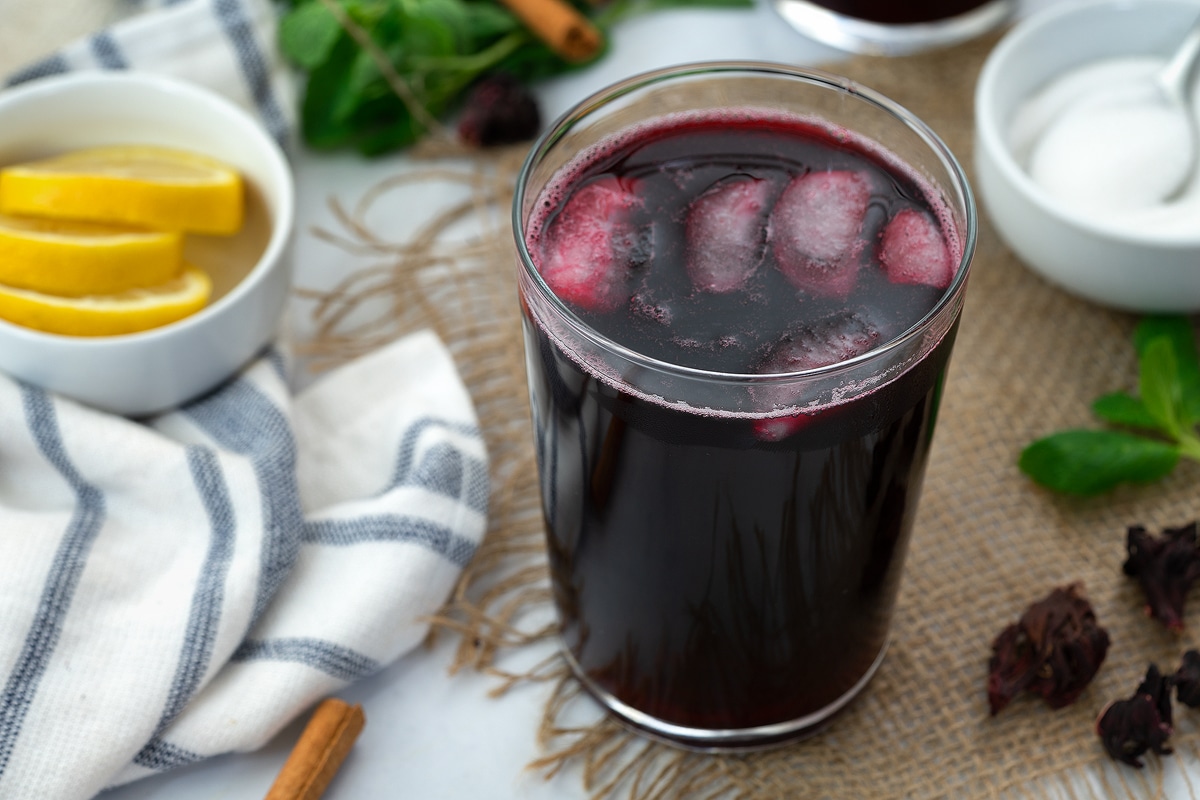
1187 680
499 110
1054 650
1165 566
1128 728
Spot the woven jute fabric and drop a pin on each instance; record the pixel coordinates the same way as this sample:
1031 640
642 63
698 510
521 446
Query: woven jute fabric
987 542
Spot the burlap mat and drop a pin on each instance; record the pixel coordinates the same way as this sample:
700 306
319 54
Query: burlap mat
1029 360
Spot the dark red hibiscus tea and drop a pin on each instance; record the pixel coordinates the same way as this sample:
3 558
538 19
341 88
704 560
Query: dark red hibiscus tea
894 13
737 326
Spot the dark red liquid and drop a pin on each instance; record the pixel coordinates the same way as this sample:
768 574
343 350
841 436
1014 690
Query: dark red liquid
706 574
894 13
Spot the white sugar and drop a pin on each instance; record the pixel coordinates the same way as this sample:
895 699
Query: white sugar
1103 141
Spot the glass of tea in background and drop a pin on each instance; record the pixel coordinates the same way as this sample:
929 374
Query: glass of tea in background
889 28
740 287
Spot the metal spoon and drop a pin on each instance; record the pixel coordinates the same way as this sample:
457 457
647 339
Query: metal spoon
1175 82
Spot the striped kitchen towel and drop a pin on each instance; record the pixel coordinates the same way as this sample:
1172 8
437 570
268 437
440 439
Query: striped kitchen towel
185 586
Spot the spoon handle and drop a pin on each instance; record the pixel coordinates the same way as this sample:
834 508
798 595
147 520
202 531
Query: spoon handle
1176 76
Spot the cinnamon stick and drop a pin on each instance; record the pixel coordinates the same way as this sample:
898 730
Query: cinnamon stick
324 744
557 23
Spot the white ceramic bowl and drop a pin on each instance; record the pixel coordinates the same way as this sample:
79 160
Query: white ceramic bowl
1130 270
142 373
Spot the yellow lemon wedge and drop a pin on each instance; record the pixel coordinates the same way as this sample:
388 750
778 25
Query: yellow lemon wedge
155 187
73 259
112 314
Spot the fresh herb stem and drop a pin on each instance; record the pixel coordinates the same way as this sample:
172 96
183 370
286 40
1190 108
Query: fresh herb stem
472 65
1189 445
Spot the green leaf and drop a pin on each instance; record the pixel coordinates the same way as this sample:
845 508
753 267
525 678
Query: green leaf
400 133
1120 408
488 21
307 34
327 86
426 33
536 62
453 19
1158 384
1178 330
1085 462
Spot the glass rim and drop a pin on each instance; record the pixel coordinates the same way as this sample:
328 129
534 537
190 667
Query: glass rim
810 75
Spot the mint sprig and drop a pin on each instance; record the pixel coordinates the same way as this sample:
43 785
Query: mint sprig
1157 427
435 48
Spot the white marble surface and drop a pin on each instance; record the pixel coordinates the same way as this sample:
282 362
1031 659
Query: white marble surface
429 735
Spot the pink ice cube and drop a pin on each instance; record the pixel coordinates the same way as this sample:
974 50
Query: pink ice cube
776 429
726 235
816 231
913 250
588 251
831 340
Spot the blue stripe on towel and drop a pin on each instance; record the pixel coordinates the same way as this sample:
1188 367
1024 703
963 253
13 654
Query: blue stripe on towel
242 419
107 52
477 485
332 659
392 528
408 444
160 755
440 471
240 33
52 65
63 578
207 600
205 616
445 470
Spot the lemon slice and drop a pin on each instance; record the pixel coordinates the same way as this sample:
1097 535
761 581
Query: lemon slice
73 259
155 187
108 315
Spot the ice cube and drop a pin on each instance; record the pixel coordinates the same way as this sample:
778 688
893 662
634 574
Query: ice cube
726 234
912 250
830 340
833 339
815 229
593 245
776 429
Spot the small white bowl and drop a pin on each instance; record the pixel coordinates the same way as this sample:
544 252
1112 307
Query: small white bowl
143 373
1130 270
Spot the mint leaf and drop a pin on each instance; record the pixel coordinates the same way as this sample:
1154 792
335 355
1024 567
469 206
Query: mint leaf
307 35
1158 384
1120 408
1178 330
327 85
1085 462
487 21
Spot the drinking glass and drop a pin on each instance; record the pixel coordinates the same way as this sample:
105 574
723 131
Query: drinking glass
726 549
888 28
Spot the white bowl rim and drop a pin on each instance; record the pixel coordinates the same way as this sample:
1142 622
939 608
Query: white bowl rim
989 130
282 221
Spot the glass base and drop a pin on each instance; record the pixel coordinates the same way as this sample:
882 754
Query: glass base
708 740
874 38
